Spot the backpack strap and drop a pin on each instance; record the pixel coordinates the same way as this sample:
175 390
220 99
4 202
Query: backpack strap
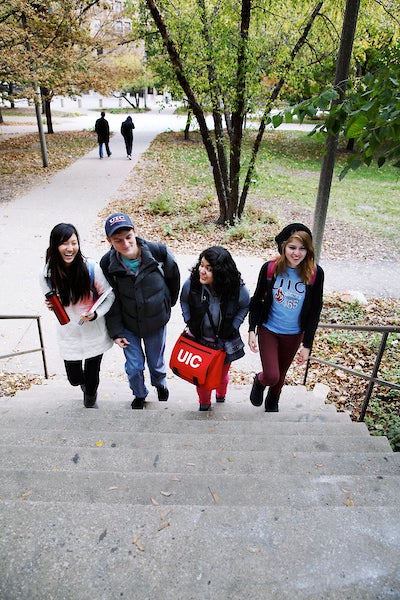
159 253
90 268
270 269
314 275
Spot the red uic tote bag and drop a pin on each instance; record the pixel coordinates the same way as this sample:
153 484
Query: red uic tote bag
197 363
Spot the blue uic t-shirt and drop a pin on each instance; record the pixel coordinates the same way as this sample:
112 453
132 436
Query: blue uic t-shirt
287 301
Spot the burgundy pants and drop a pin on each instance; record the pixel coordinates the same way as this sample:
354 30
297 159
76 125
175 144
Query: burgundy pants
277 351
205 395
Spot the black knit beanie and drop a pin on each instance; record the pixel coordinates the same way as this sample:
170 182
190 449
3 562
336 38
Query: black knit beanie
288 231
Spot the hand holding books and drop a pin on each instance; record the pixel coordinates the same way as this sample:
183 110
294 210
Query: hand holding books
84 318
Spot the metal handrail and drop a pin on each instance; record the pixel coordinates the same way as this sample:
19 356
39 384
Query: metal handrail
373 378
41 349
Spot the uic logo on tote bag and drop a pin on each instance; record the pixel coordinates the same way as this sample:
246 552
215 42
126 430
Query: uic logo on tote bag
188 358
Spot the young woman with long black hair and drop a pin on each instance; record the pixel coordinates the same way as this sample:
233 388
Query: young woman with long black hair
78 282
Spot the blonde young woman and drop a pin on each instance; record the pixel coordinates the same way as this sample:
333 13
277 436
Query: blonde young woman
284 312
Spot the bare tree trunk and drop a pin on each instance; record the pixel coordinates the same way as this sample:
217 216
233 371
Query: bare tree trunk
46 102
274 95
194 104
216 102
43 147
238 113
328 161
188 122
10 93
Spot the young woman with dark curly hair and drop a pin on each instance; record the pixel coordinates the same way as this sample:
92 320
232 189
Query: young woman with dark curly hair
214 303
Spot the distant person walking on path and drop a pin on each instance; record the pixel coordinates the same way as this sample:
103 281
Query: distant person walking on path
146 282
103 134
214 303
78 282
127 128
285 310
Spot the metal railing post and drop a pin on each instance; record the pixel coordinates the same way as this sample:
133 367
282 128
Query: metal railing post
46 373
373 375
41 349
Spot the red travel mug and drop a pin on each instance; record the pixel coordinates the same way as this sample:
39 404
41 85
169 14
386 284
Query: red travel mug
58 308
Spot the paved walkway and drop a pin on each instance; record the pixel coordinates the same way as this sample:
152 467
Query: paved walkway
77 194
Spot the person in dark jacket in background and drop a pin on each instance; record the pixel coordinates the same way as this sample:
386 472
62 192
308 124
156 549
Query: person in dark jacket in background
215 302
285 310
146 283
103 134
127 128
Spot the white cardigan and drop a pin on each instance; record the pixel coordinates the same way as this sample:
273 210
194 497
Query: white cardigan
78 342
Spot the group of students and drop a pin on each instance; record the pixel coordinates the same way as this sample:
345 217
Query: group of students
140 283
102 129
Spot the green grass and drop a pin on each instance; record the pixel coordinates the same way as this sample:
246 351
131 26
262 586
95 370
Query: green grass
289 166
287 169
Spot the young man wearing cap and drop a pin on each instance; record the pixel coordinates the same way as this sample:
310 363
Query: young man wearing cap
146 283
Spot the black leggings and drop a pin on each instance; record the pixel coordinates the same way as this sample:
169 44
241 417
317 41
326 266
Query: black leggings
88 375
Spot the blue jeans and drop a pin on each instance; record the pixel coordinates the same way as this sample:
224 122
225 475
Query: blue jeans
154 347
101 149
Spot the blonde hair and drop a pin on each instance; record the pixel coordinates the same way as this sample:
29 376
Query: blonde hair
305 269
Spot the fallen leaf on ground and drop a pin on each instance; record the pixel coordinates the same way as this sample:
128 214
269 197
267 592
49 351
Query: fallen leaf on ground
136 542
214 495
165 514
25 495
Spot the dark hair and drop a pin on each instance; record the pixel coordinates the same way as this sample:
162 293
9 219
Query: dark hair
306 267
72 283
226 277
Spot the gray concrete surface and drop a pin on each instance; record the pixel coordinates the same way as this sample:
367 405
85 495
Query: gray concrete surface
77 194
175 504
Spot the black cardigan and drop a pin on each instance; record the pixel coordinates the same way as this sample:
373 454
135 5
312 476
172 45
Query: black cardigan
260 304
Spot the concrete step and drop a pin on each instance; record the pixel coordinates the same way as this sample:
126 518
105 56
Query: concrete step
280 439
56 392
270 461
201 552
232 504
301 490
170 421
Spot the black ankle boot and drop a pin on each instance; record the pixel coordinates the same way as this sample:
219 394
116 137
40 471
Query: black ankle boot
272 402
257 392
89 401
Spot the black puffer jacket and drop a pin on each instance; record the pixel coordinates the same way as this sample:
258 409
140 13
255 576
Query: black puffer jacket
142 302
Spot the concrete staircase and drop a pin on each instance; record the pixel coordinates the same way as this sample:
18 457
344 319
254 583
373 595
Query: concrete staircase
169 503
